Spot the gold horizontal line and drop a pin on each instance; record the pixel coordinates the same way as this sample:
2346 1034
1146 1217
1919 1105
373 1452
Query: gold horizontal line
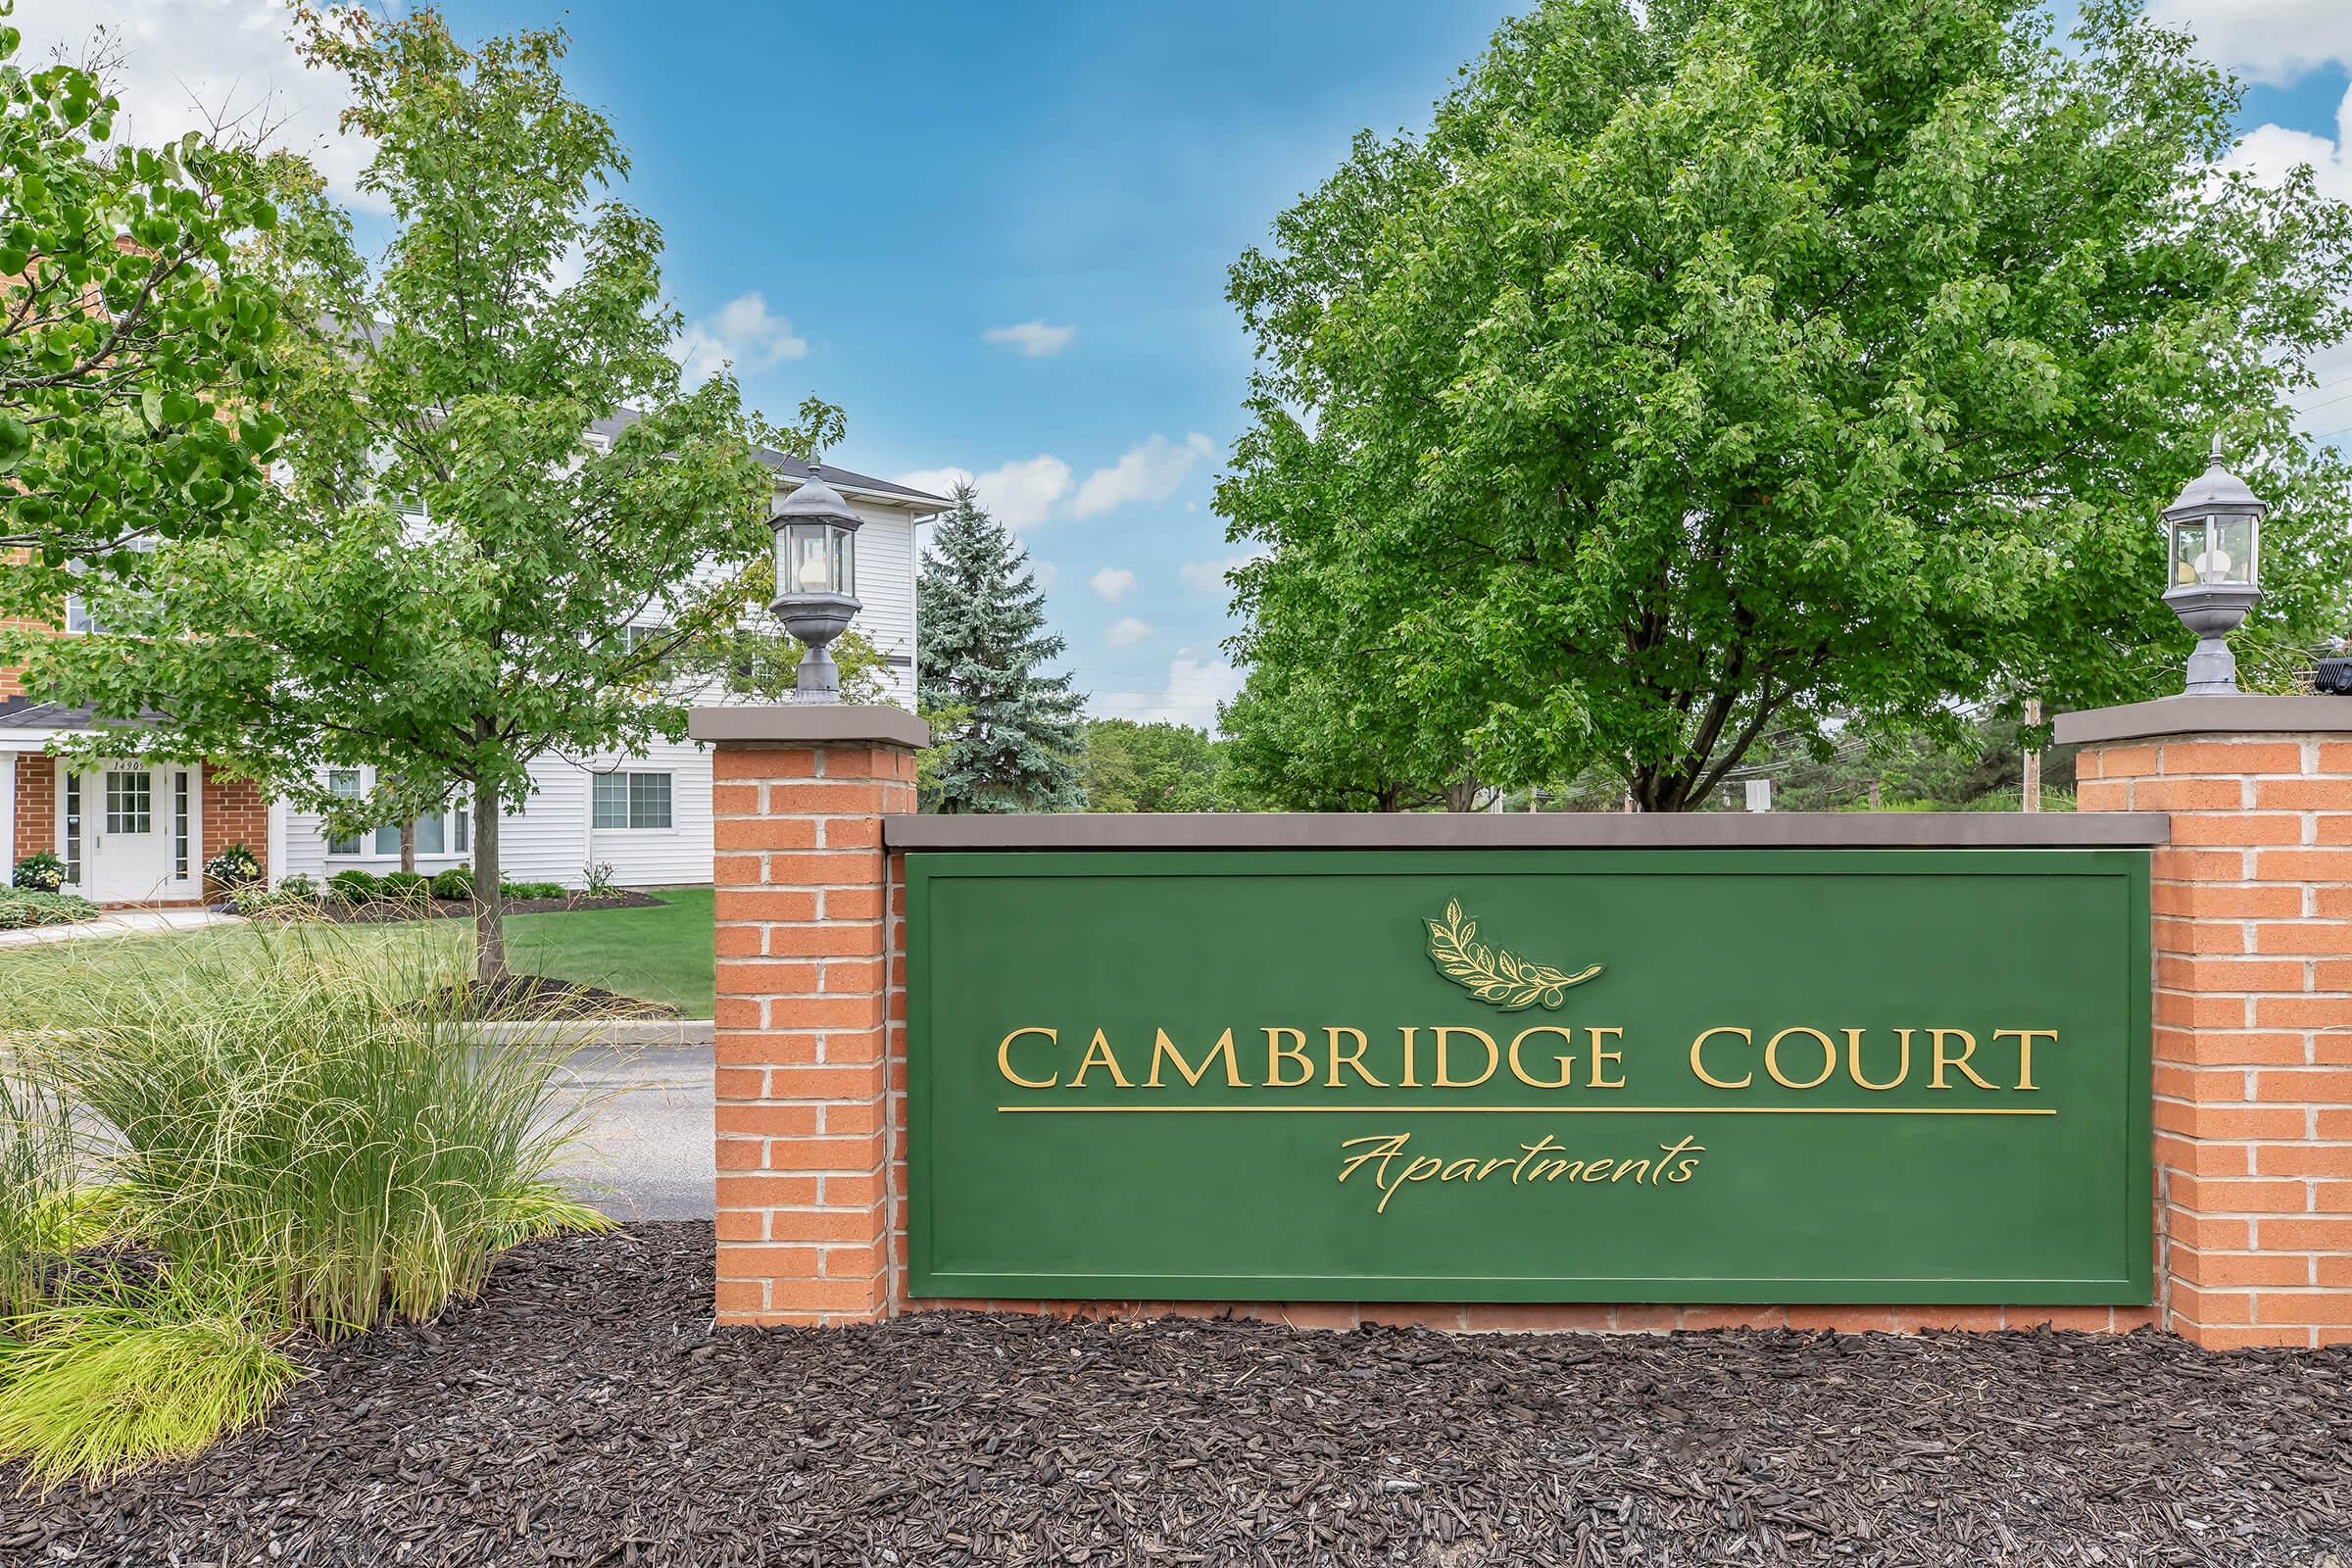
1553 1111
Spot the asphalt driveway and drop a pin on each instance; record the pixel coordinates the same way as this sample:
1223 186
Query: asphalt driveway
647 1153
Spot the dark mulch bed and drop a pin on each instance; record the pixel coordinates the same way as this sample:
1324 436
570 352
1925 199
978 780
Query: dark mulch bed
387 912
583 1414
538 997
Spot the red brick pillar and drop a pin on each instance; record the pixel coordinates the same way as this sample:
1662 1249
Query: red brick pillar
2253 1073
796 799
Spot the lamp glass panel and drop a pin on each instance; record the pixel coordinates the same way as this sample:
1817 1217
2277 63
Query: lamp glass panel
845 560
2189 544
807 568
2235 560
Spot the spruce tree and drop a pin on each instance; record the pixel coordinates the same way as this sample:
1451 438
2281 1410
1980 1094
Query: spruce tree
1008 735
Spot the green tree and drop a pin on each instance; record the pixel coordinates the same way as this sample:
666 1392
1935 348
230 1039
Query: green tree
1007 735
1129 767
1725 366
133 349
1328 740
443 586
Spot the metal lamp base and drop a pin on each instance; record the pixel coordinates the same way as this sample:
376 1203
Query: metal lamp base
816 619
2213 611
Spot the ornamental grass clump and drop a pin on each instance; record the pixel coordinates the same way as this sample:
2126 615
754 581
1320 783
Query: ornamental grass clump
37 1209
277 1141
118 1374
292 1117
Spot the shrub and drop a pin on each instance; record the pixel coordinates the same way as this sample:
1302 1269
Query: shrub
354 886
20 909
233 867
455 884
406 886
531 890
42 873
596 880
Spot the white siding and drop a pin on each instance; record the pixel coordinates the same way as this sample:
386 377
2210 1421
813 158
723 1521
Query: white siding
553 841
886 574
550 838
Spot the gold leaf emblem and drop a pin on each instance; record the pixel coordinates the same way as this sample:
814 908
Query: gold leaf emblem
1494 974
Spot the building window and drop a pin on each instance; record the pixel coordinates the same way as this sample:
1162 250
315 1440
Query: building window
448 832
78 618
73 828
129 801
179 823
344 784
631 801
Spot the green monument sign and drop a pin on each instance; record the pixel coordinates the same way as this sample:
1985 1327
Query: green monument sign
1744 1075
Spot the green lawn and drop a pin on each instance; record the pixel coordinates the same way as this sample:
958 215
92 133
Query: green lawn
658 953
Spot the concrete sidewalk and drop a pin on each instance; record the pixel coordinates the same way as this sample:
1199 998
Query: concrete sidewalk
120 923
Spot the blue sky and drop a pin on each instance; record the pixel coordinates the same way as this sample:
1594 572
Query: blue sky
997 234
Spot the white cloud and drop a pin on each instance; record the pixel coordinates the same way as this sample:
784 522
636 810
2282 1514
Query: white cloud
1195 688
2267 40
187 63
1126 633
1035 339
1018 494
1208 576
2270 153
1113 583
1149 472
743 334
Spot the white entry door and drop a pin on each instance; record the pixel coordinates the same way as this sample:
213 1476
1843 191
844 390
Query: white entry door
132 835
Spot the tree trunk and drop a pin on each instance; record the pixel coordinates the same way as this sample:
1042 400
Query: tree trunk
489 904
407 847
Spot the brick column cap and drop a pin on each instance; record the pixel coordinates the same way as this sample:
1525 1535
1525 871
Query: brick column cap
2243 714
811 723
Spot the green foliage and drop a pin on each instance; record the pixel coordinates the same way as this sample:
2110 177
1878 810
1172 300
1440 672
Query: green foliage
40 872
454 884
1708 368
293 895
440 590
288 1115
1127 767
20 908
354 886
1007 736
533 890
597 880
233 867
135 1373
406 886
134 366
1321 740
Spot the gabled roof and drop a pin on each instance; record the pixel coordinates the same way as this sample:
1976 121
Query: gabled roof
23 712
795 470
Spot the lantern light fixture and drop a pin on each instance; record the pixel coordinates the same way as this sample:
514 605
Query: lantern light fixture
2212 541
816 579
